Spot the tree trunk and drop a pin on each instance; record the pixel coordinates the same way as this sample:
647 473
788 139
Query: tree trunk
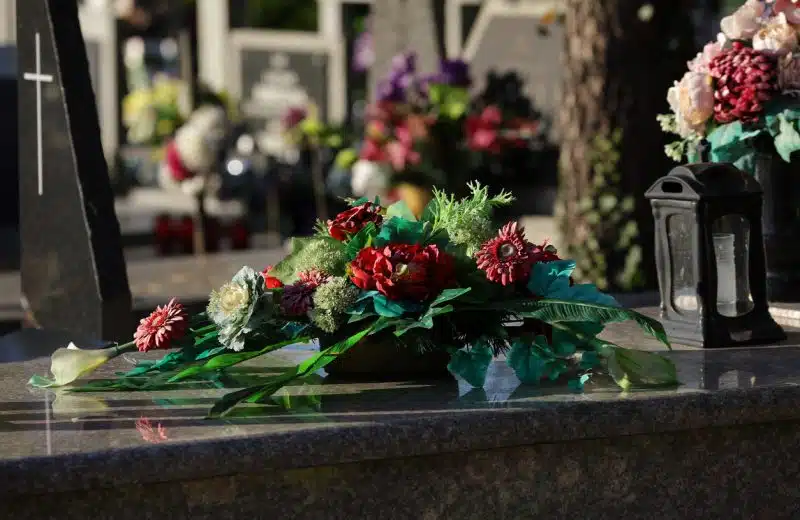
618 64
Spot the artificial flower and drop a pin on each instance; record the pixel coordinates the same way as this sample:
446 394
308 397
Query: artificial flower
270 282
70 363
162 327
238 307
745 80
507 258
483 131
704 57
777 37
403 271
745 21
789 8
692 101
350 222
332 300
789 72
297 298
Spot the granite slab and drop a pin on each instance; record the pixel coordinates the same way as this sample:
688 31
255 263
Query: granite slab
54 442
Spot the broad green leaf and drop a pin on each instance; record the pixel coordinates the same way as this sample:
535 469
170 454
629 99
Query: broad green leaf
555 311
452 102
552 280
387 308
316 362
730 140
534 361
747 163
400 210
231 359
471 364
632 368
400 231
424 322
788 139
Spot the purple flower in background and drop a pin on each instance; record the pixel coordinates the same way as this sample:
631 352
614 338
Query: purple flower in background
363 52
389 90
454 73
405 63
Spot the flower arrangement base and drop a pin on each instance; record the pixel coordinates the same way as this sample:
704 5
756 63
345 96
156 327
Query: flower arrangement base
385 360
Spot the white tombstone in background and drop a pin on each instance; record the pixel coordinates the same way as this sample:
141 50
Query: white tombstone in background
213 27
8 22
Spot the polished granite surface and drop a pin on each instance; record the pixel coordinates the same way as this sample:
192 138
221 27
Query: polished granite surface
52 440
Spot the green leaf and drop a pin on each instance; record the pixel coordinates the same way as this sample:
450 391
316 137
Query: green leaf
558 311
579 382
401 231
316 362
400 210
231 359
424 322
731 141
552 280
361 240
534 361
451 102
471 364
632 368
387 308
788 139
747 162
450 295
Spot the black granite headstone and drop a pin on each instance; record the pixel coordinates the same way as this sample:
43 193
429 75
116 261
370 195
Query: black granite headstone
73 270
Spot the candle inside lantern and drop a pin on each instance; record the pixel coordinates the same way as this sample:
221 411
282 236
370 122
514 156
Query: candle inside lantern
725 254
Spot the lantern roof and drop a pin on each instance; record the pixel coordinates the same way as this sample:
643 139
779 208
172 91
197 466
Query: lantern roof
704 180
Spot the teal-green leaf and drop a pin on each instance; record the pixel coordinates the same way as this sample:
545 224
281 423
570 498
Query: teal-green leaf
471 364
450 295
747 162
552 280
387 308
401 231
534 361
579 382
361 240
788 139
633 368
401 210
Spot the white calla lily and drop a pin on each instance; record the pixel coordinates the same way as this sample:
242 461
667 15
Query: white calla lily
71 363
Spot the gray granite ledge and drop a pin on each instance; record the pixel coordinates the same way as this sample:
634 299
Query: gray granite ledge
88 441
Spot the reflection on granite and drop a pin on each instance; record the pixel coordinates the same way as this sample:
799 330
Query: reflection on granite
54 441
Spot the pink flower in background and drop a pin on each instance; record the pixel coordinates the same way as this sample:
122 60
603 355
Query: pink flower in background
789 8
777 37
402 154
298 297
162 327
373 151
703 58
745 21
483 130
293 117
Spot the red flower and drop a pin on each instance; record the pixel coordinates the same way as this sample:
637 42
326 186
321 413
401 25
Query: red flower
373 150
522 132
508 258
270 282
403 271
544 253
350 222
162 327
297 298
483 131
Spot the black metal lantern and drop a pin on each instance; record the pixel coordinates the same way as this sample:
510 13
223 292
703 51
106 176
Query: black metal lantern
710 257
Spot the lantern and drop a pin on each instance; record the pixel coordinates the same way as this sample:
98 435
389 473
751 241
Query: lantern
710 257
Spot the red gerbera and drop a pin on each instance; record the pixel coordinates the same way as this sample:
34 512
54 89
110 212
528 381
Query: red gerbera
507 258
162 327
297 298
270 282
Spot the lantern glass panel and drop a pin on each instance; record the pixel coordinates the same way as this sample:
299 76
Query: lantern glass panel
682 264
731 237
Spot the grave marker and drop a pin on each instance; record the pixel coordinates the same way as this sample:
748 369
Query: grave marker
73 271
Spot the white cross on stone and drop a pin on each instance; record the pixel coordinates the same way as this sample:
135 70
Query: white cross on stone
39 78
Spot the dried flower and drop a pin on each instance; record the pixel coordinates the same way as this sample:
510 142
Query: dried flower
744 22
239 306
298 297
777 37
162 327
789 72
692 101
507 258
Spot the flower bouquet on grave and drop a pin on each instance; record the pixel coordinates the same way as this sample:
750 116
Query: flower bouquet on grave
447 282
740 94
152 113
426 131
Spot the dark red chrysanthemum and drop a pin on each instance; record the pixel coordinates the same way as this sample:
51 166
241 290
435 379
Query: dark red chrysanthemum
744 80
270 282
297 298
162 327
508 257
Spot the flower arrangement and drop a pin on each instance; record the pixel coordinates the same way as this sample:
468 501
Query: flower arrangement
426 130
152 114
740 92
448 281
